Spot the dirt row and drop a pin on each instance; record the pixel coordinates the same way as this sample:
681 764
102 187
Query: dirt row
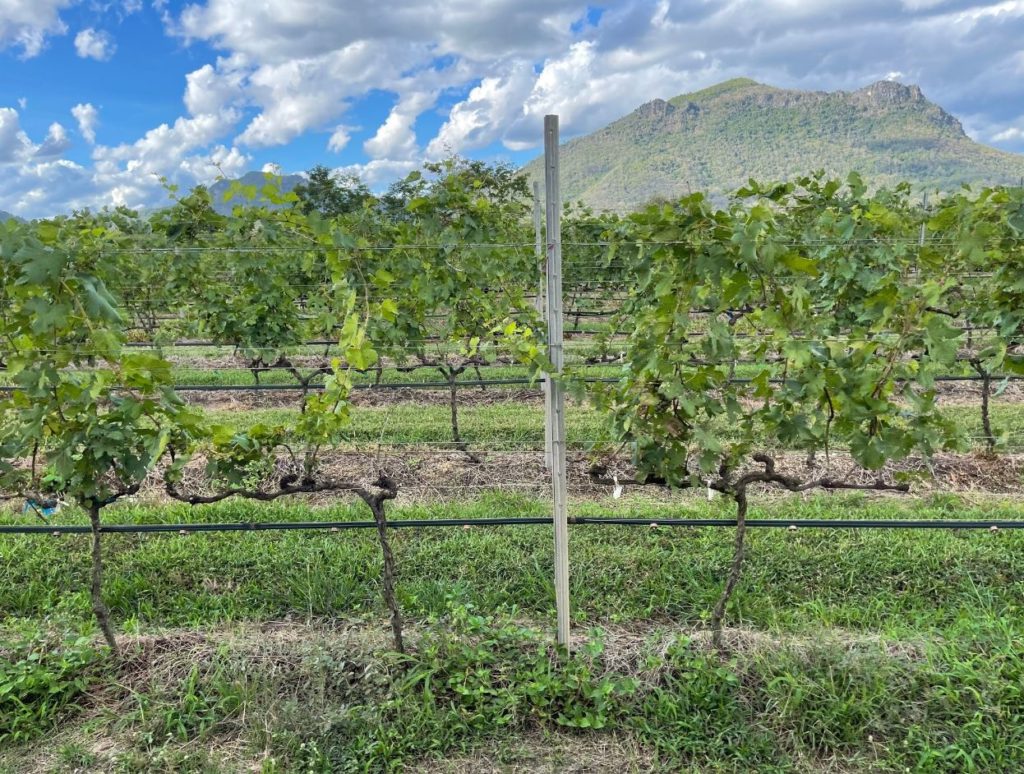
437 476
243 400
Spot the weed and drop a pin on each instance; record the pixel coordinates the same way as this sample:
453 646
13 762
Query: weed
40 679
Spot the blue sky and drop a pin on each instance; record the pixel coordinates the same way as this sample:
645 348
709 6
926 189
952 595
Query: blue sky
100 98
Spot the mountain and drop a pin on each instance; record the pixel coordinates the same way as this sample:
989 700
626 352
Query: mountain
7 216
258 179
714 140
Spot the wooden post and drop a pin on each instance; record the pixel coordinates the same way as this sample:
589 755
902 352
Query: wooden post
538 234
556 392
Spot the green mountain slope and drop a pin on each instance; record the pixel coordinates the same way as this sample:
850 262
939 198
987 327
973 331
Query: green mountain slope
7 216
714 140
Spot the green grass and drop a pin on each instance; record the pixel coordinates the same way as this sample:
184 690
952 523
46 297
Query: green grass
505 425
510 424
870 580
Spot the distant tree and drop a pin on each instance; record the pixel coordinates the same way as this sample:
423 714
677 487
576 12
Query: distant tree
501 184
331 194
657 200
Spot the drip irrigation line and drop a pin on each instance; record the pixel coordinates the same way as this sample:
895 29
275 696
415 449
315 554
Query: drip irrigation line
76 529
627 243
807 523
993 525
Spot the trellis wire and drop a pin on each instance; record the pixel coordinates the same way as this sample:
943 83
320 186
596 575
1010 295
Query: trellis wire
183 529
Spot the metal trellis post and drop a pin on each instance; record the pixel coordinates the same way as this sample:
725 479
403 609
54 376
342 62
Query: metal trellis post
539 252
556 390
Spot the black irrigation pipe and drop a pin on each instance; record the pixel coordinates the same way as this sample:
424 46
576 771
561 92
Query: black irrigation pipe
536 383
382 386
807 523
337 526
320 387
256 526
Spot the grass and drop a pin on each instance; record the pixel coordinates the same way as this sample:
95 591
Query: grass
323 699
794 582
511 425
851 651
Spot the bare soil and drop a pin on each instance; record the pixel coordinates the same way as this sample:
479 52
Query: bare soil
432 475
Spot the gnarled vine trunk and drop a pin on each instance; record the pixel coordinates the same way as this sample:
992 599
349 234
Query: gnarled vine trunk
451 375
99 607
388 577
739 549
986 393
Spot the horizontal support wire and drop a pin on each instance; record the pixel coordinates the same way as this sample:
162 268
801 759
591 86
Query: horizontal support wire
624 241
337 526
511 382
437 343
313 247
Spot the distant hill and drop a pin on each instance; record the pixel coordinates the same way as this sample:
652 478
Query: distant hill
7 216
218 189
714 140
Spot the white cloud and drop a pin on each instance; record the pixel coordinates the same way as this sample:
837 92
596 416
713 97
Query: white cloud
161 148
484 115
221 161
28 23
22 103
281 32
588 88
378 172
185 152
339 138
14 143
87 117
17 148
55 143
396 138
1009 135
307 93
129 174
210 89
95 44
309 59
50 186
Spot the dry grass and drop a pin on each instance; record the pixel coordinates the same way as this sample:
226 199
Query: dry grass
551 753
